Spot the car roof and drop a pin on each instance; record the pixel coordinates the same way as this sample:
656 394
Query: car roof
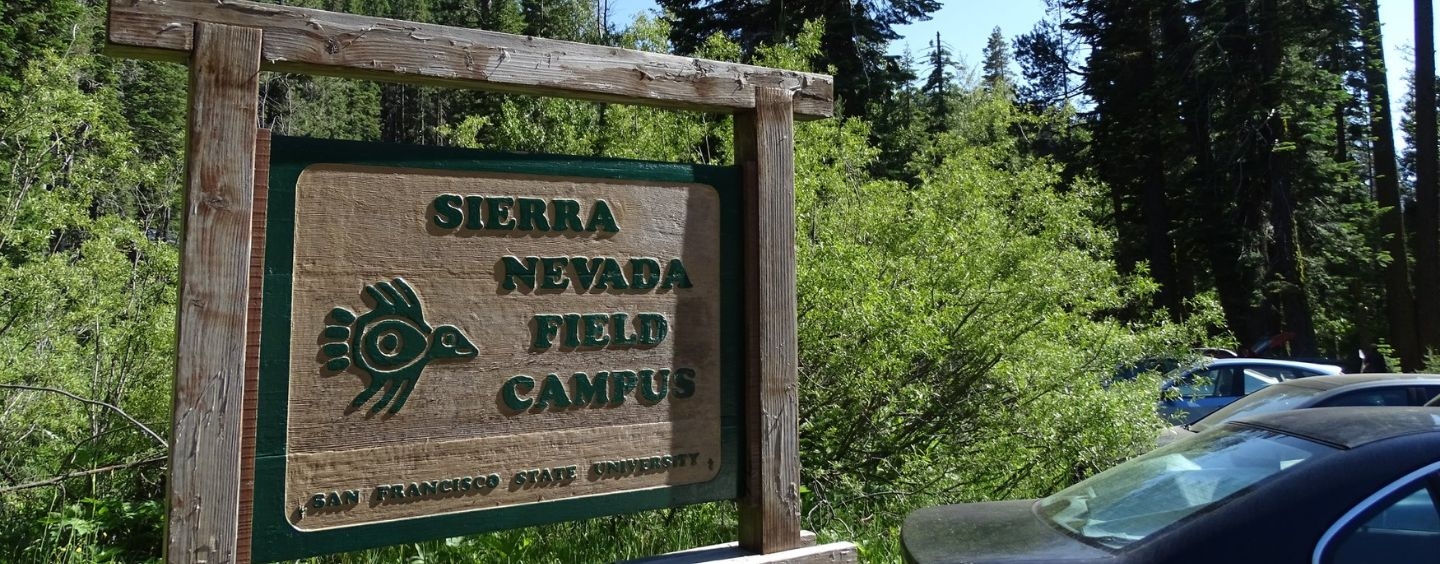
1348 427
1339 380
1221 362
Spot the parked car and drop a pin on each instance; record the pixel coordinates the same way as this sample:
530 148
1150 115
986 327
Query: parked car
1340 486
1194 392
1334 391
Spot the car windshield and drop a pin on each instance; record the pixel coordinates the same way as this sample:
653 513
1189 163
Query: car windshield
1131 501
1273 398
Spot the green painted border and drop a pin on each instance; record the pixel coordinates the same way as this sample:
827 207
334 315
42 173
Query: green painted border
274 538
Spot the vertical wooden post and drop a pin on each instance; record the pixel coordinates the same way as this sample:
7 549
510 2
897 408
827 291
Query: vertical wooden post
204 481
764 148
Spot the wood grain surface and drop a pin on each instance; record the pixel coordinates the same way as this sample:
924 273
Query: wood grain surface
252 347
764 144
318 42
359 225
204 479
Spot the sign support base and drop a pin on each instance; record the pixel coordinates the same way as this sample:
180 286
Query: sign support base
731 553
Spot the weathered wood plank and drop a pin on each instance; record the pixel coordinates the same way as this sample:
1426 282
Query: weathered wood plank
204 481
764 145
319 42
250 420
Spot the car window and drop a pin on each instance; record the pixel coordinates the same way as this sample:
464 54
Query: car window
1431 393
1372 396
1255 381
1136 499
1199 384
1276 398
1279 372
1406 530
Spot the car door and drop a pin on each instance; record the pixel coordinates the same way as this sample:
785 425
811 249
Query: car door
1198 393
1398 524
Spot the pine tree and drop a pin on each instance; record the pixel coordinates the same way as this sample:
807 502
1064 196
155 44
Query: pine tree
1427 181
1399 300
997 63
938 90
854 42
1044 55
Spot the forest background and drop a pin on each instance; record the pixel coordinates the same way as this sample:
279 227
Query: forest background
978 250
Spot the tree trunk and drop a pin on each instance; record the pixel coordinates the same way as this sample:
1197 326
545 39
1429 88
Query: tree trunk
1427 226
1399 301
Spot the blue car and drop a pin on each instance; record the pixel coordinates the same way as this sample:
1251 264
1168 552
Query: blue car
1191 393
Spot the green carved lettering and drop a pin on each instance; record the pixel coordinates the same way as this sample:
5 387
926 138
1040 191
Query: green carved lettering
350 496
684 382
602 218
515 270
591 392
644 273
447 486
472 212
547 327
498 214
617 330
567 216
511 390
397 490
653 328
572 330
447 211
585 270
675 276
611 276
652 390
554 273
317 501
595 330
465 483
492 481
552 392
429 488
532 211
412 490
625 382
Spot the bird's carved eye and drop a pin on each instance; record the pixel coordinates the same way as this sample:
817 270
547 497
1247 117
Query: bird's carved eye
448 340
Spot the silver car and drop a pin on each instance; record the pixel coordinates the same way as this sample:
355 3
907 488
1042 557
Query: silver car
1330 391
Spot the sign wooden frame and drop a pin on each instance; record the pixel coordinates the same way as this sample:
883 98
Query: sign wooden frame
228 42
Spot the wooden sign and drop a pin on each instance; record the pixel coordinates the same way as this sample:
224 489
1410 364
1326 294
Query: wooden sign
389 390
453 342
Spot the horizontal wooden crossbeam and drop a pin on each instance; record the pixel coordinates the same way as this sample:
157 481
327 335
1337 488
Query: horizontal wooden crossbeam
329 43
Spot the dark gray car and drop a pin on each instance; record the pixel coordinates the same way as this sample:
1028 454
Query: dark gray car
1344 485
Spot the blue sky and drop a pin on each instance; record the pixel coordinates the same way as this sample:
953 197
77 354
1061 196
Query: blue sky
964 26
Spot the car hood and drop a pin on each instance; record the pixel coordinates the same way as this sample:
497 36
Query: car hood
994 532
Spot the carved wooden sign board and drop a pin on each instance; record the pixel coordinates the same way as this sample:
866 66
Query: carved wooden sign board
453 342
